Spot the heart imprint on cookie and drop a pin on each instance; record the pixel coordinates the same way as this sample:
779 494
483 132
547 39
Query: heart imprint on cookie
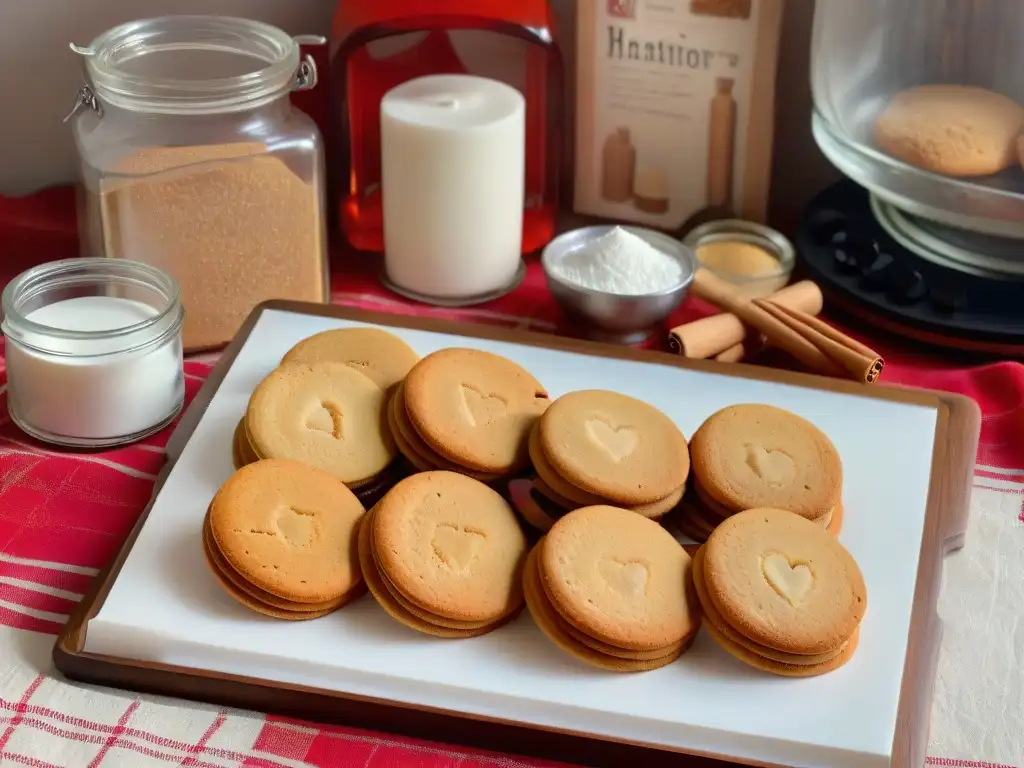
618 443
479 409
773 465
292 526
456 546
628 579
791 581
326 417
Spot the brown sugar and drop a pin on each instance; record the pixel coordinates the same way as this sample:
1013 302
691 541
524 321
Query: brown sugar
736 257
233 225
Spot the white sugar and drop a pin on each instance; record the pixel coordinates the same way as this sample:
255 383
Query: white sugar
620 262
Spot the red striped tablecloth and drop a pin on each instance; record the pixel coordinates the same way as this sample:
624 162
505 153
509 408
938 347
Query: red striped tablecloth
63 515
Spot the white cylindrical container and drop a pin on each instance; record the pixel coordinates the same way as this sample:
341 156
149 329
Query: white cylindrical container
94 353
452 174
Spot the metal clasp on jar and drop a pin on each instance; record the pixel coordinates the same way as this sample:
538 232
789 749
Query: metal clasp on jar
85 98
306 76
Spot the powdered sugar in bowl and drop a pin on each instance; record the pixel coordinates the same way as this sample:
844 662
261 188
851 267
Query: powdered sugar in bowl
619 283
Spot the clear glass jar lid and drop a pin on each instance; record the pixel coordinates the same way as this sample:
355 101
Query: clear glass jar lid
194 64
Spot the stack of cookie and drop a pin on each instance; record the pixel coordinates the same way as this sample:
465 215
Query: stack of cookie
595 447
466 411
325 405
613 589
750 456
280 538
780 594
443 554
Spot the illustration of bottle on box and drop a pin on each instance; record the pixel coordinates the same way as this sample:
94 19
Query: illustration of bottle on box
618 164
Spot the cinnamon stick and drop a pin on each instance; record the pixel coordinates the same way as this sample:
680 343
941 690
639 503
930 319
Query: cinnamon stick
862 362
733 354
720 334
715 290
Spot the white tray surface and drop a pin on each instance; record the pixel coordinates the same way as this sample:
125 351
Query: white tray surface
166 607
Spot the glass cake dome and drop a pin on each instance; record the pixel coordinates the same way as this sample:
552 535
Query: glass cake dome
922 103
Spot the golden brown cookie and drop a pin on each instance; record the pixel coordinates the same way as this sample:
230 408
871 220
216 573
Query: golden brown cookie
411 454
780 668
242 452
384 597
263 602
288 529
556 482
327 415
451 546
553 486
418 452
237 460
784 582
217 561
255 605
381 356
618 577
750 456
474 408
714 618
614 446
955 130
556 629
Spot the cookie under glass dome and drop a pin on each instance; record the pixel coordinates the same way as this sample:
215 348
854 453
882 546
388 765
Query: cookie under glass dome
869 61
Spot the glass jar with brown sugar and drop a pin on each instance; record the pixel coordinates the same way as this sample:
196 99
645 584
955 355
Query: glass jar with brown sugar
194 160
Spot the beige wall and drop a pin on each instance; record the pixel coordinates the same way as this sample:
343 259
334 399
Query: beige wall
39 77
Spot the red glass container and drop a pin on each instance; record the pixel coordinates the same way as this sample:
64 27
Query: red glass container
378 45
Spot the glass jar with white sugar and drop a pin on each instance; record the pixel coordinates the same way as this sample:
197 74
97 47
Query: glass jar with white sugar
94 353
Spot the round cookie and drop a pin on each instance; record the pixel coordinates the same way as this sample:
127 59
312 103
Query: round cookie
414 609
784 582
452 546
954 130
384 597
327 415
555 628
288 529
381 356
614 446
780 668
242 452
750 456
618 577
554 481
727 633
216 560
412 455
565 495
474 408
419 452
237 460
255 605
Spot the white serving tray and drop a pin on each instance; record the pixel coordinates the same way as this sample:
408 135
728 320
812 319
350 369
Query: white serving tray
164 608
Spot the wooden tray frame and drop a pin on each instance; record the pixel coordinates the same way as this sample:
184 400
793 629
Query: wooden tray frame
956 440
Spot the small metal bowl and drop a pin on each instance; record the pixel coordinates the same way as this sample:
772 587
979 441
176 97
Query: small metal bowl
613 317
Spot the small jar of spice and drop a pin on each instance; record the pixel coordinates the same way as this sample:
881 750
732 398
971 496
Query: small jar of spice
193 160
